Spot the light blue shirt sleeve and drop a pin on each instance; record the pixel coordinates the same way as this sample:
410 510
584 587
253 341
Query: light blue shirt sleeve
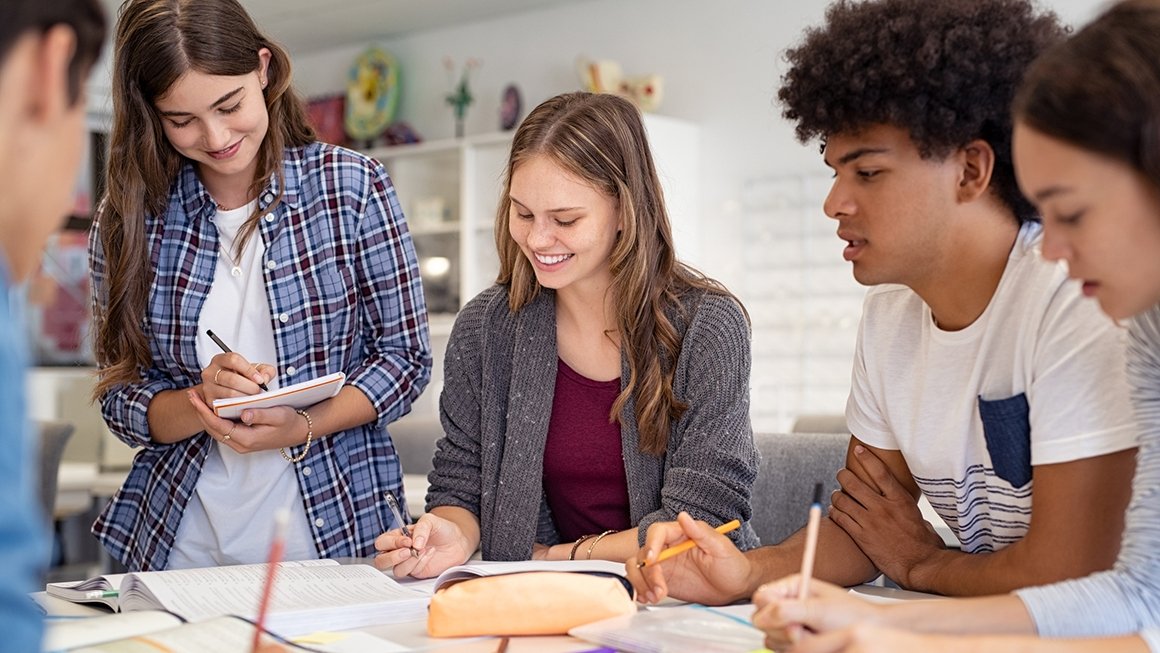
23 546
1125 599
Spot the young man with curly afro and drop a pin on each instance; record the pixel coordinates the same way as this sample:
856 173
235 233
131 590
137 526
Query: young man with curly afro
982 377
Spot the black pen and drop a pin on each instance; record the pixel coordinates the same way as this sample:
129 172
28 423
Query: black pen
230 351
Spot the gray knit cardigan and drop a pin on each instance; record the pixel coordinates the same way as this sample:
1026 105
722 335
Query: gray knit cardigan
500 379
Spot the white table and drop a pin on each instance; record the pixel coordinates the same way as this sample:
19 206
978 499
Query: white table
412 635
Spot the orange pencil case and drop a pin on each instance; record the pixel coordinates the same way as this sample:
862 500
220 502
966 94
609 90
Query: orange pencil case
529 603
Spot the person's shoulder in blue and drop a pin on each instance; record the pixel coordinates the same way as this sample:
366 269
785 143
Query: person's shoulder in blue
47 48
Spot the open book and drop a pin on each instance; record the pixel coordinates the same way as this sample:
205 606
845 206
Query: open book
152 630
299 395
480 568
308 596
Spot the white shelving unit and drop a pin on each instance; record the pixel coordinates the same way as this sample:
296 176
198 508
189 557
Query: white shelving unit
449 190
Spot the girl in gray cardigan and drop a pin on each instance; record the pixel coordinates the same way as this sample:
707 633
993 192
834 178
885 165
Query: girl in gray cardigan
600 385
1087 152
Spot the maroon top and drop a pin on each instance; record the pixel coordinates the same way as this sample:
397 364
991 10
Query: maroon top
583 468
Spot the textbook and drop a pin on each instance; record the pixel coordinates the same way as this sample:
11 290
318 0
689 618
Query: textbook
482 568
153 630
308 596
299 395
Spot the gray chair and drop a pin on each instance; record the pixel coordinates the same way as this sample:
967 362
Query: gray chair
821 423
791 463
414 438
53 437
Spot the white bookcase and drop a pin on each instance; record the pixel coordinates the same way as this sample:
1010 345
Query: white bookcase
449 190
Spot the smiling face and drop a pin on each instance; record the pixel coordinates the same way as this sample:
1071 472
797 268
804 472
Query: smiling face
564 226
1099 215
888 201
218 122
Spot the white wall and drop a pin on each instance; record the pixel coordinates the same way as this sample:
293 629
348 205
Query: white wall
762 227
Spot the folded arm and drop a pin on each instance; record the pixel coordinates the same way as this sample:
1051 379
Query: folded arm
1076 521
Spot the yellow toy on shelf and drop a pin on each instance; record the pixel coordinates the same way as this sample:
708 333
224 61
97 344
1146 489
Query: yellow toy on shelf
605 76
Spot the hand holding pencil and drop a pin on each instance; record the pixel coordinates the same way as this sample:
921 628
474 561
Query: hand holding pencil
792 606
701 564
678 549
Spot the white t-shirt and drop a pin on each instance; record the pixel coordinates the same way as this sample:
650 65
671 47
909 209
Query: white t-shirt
230 517
1037 379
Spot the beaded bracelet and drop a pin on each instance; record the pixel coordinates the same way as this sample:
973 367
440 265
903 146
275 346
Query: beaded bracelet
309 437
595 541
572 555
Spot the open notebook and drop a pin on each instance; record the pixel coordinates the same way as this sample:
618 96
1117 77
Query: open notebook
480 568
308 596
153 630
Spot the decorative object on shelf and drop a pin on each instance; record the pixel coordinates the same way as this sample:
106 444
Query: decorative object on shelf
605 76
326 115
402 133
372 93
510 107
460 96
429 212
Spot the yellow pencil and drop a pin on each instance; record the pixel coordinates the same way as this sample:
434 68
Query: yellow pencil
688 544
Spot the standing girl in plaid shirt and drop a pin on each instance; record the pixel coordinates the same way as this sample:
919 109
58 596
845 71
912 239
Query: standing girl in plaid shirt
224 213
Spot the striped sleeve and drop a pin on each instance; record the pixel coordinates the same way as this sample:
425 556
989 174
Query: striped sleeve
1125 599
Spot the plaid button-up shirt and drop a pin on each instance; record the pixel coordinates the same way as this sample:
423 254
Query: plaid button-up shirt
344 292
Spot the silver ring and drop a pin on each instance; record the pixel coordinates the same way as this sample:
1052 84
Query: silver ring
215 376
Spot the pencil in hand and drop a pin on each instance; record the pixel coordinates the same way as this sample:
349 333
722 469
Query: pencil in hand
727 527
277 544
811 547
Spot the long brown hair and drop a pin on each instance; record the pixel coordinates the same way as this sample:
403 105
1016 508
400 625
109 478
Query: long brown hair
601 139
157 41
1100 89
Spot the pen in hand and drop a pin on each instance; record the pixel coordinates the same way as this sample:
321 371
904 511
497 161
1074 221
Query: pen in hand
227 350
393 504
